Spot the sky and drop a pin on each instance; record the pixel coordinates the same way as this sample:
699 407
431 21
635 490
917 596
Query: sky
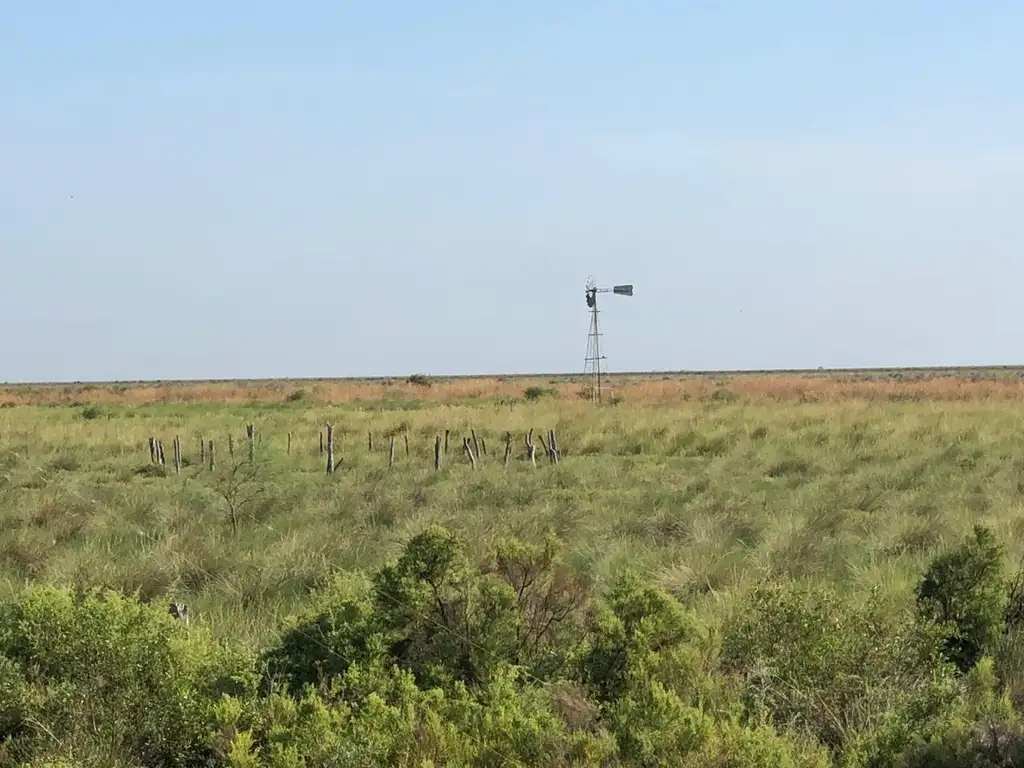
266 189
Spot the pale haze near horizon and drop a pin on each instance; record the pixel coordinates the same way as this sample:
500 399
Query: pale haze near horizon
234 190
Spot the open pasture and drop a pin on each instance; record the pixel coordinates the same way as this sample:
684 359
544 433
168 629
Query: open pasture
779 527
704 485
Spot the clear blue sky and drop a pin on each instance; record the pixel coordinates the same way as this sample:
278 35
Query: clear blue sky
248 189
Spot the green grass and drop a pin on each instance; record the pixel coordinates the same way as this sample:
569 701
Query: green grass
704 498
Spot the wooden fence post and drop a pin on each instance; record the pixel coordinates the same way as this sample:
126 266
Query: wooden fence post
446 442
330 449
555 453
202 451
213 457
231 446
405 436
152 450
547 445
369 440
508 447
476 443
437 453
289 443
531 449
468 450
391 453
321 442
160 452
250 433
177 455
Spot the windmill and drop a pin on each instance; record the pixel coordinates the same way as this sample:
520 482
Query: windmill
592 362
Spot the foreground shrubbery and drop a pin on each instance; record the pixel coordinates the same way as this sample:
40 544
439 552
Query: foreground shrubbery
437 660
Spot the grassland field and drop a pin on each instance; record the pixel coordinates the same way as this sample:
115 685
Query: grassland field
706 485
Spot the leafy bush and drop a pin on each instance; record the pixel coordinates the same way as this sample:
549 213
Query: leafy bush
441 619
536 393
964 591
419 379
839 670
105 677
91 412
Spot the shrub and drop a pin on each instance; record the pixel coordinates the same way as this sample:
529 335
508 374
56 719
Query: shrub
91 412
837 669
536 393
964 591
436 616
419 379
148 686
636 634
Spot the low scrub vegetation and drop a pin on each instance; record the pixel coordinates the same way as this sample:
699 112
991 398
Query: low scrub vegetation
719 581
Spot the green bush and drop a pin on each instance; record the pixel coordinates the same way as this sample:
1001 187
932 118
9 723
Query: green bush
435 615
108 680
964 590
836 669
536 393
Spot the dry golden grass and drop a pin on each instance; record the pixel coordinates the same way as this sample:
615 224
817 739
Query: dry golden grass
630 389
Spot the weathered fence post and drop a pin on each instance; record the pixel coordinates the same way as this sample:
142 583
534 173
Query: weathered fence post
391 453
152 450
160 452
321 442
555 453
202 451
213 457
437 453
547 445
369 440
508 447
468 450
405 436
330 449
250 434
476 443
231 446
531 449
289 443
446 442
177 455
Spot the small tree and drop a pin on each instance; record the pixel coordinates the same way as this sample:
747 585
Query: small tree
965 590
242 485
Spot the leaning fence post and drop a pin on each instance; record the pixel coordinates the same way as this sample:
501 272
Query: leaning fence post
468 450
330 449
391 453
369 440
476 443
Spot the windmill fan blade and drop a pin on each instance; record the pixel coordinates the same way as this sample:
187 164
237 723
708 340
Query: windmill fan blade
623 290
